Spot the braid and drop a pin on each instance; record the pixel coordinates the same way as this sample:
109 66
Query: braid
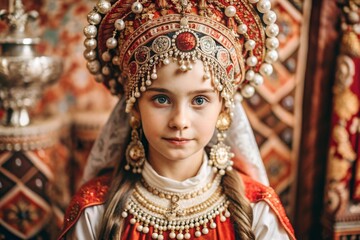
240 209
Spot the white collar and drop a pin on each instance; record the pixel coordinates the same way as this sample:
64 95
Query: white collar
204 176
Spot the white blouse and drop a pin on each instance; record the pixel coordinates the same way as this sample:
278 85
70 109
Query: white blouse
265 223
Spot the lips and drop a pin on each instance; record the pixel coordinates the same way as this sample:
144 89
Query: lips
178 141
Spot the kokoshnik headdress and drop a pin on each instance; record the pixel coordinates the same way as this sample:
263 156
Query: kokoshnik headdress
235 39
127 40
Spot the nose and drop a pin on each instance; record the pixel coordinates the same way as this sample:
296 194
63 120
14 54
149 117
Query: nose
179 119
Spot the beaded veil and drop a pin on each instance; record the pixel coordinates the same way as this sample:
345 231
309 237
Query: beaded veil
127 40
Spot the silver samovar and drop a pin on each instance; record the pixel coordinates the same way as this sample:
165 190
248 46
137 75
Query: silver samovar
23 73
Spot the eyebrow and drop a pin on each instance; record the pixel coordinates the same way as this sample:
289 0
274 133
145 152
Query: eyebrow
164 90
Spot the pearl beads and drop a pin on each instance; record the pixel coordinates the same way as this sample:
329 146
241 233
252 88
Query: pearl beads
103 6
90 43
242 29
94 18
269 17
137 7
119 24
258 79
106 56
111 43
249 75
271 56
93 66
251 61
90 31
272 30
272 43
266 69
264 6
248 91
250 44
90 55
230 11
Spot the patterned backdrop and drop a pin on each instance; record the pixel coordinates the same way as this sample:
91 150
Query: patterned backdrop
274 112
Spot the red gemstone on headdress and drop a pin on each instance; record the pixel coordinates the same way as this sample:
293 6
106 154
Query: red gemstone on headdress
185 41
133 67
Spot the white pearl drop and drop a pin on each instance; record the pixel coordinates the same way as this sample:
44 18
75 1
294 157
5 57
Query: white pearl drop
166 61
119 24
180 236
230 11
248 91
187 236
258 79
266 69
160 237
197 234
272 43
205 230
132 221
251 61
145 230
242 29
212 225
172 235
154 235
249 75
139 228
183 68
264 6
272 30
271 56
103 6
153 76
111 43
250 44
269 17
136 7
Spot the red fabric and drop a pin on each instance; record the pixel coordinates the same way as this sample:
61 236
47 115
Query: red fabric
94 193
355 139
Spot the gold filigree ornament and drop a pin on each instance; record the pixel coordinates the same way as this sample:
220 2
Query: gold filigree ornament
135 152
220 154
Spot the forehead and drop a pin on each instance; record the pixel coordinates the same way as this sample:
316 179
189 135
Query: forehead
171 76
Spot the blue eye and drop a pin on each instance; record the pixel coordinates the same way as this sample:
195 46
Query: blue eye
161 99
200 100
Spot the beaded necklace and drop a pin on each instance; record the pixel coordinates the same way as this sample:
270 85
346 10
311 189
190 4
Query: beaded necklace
176 213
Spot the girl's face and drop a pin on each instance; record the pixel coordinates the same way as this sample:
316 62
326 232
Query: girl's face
178 113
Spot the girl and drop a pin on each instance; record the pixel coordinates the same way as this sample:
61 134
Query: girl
177 66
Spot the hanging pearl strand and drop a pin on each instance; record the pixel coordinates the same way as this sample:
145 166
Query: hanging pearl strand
272 43
107 70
